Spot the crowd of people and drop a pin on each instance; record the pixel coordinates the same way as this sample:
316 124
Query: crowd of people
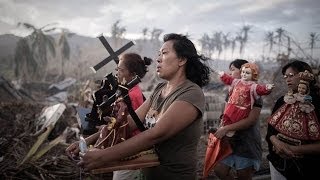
173 113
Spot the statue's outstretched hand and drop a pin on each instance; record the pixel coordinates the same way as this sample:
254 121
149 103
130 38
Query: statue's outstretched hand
270 86
220 73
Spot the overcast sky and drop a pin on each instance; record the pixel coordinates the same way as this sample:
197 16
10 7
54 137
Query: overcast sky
195 17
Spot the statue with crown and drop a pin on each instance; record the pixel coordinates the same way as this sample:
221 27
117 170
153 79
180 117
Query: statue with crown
296 120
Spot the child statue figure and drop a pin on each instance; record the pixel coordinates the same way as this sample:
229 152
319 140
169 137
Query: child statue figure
242 94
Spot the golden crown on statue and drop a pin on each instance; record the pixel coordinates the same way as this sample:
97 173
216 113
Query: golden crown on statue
306 76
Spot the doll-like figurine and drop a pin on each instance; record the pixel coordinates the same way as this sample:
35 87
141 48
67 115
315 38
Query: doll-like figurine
303 96
289 98
242 94
296 119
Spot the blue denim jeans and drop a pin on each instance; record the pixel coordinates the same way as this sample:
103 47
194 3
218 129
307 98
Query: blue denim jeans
239 162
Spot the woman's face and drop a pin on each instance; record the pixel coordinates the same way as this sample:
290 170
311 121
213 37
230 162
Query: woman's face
123 74
234 72
292 79
168 62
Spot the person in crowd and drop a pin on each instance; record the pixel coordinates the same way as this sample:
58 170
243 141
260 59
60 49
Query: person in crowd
131 65
246 142
173 134
293 133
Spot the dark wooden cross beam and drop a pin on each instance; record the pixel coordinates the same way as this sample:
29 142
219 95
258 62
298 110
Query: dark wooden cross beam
113 55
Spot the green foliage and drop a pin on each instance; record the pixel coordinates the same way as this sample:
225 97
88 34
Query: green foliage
63 43
64 48
25 64
31 60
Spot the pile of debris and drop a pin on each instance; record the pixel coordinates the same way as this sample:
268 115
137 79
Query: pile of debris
34 133
12 92
30 151
22 154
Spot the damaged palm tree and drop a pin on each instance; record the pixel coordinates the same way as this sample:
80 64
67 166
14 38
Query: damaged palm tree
46 123
36 46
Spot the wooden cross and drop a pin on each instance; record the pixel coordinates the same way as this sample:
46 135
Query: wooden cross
113 55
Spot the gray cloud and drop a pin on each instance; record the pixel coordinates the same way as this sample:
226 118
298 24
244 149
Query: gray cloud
194 17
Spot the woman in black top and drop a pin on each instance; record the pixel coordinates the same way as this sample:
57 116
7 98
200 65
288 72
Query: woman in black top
289 160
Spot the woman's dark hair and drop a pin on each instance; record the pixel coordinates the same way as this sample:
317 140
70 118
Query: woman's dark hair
135 64
196 71
238 63
300 66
